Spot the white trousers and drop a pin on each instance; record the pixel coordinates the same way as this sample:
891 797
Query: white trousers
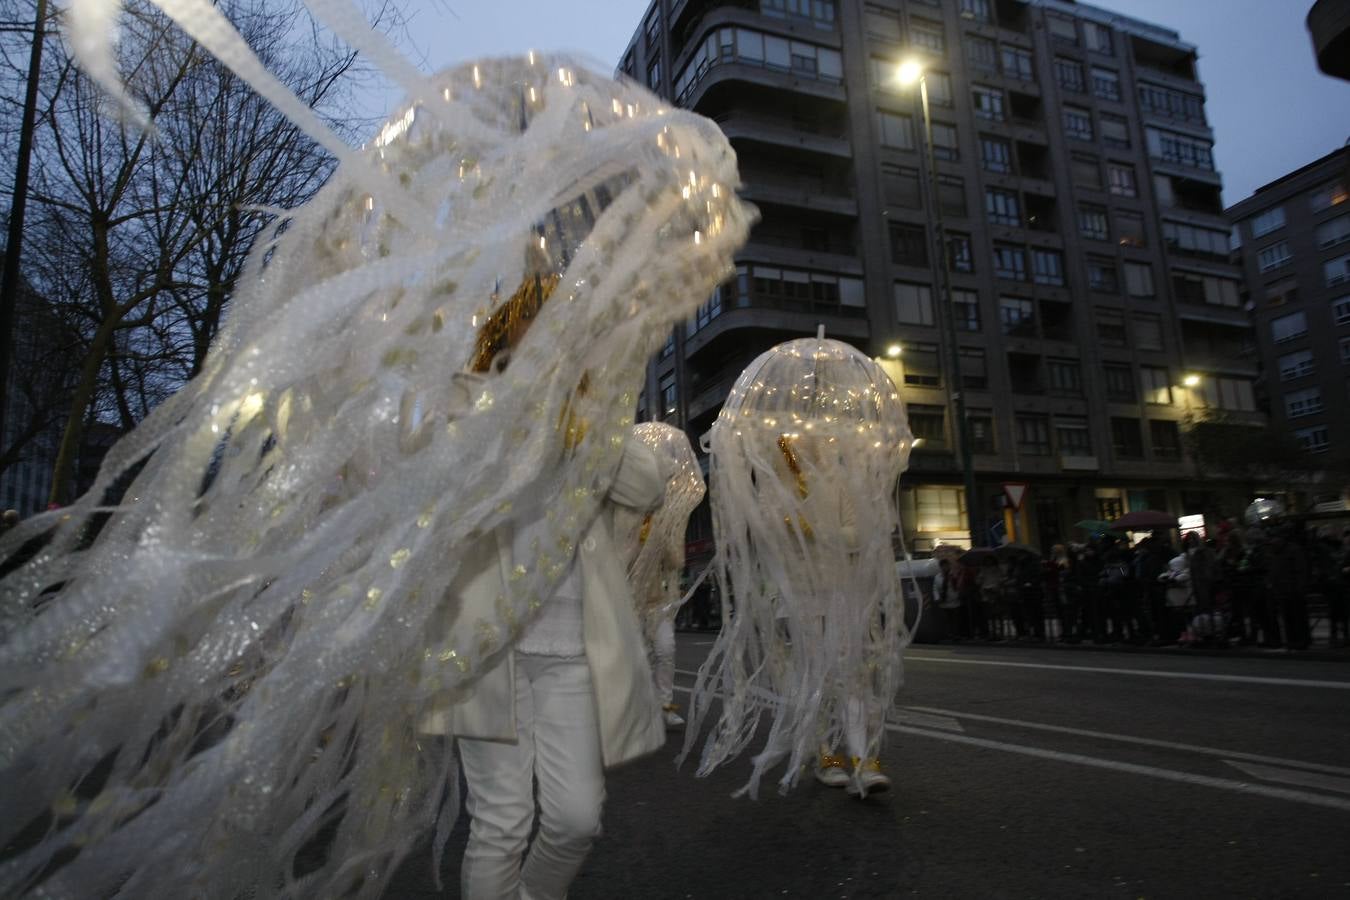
663 660
558 745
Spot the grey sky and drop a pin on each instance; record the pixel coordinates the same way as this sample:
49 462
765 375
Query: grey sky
1271 109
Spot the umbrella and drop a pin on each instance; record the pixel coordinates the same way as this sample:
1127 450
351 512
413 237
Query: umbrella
975 555
1095 526
1143 519
1014 549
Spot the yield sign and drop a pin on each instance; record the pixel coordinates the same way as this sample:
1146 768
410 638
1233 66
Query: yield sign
1016 492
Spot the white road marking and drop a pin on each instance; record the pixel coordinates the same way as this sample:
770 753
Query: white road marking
1225 784
1149 673
924 720
1128 739
1294 776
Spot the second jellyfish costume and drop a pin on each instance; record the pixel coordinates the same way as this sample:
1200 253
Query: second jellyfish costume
804 458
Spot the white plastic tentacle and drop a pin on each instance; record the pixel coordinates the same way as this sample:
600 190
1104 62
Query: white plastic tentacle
350 23
92 34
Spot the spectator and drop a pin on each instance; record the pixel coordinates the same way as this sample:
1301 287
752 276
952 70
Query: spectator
991 597
1150 561
1057 570
1177 580
946 597
1030 599
1286 591
1087 576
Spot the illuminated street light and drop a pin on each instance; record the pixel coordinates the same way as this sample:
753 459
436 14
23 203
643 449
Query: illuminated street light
1191 381
910 71
893 351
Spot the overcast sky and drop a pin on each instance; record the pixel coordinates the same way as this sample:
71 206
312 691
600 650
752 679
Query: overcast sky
1271 109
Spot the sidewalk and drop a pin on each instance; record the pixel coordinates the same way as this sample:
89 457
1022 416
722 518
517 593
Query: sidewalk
1319 651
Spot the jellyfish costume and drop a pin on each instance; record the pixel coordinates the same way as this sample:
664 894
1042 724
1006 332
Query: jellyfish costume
656 550
804 459
210 685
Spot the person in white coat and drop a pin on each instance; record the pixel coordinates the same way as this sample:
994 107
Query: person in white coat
572 698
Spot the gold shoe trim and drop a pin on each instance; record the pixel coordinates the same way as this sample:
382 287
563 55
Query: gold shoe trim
830 761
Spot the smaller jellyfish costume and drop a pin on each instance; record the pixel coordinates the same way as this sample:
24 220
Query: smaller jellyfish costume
804 458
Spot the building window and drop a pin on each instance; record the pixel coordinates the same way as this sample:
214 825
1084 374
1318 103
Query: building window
1281 292
654 75
1235 394
982 53
974 369
1098 38
1001 207
1303 403
1105 83
1336 271
1296 365
881 24
940 89
754 48
1017 63
900 186
1126 441
959 255
975 9
1139 279
1314 439
1110 326
1065 377
996 155
1170 103
1086 171
1092 222
1130 229
1193 240
1077 123
1147 329
1333 193
1102 275
1340 310
928 424
1345 351
981 427
1069 74
668 348
1062 29
913 303
1157 384
1120 178
669 398
921 364
1033 434
820 12
1213 290
1072 435
988 103
1017 315
1273 257
1265 222
1286 328
1166 439
1333 232
1115 130
1180 149
927 35
653 29
1119 383
939 508
1010 262
945 145
966 310
909 244
895 130
1047 266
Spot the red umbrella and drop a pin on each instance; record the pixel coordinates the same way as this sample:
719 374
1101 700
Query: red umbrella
1142 519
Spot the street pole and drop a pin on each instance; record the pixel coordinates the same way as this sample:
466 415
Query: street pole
947 319
9 283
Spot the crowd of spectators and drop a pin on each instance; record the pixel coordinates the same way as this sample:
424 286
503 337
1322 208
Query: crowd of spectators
1248 586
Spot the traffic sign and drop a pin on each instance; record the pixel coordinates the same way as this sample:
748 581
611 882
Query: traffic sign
1016 492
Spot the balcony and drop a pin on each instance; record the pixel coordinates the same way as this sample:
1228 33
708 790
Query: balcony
1074 463
821 195
739 125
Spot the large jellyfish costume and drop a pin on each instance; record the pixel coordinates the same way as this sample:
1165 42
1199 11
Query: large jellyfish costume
216 693
804 458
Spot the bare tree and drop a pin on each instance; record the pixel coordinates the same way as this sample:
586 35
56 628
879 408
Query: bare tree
138 237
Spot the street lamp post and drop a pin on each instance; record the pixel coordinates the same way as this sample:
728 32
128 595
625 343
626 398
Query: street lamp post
909 73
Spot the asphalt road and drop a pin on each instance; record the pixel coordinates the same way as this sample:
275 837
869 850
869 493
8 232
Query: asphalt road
1020 773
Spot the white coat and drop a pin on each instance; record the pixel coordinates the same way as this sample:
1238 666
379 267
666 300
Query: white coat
629 716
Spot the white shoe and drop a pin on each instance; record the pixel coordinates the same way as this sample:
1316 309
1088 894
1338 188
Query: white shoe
673 719
831 771
870 777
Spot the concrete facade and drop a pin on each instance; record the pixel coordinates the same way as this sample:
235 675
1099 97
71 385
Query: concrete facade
1091 272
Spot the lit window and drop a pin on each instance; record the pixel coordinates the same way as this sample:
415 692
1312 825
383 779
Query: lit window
1156 384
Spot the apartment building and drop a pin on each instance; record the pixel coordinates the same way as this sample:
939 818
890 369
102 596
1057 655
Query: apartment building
1295 248
1096 307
